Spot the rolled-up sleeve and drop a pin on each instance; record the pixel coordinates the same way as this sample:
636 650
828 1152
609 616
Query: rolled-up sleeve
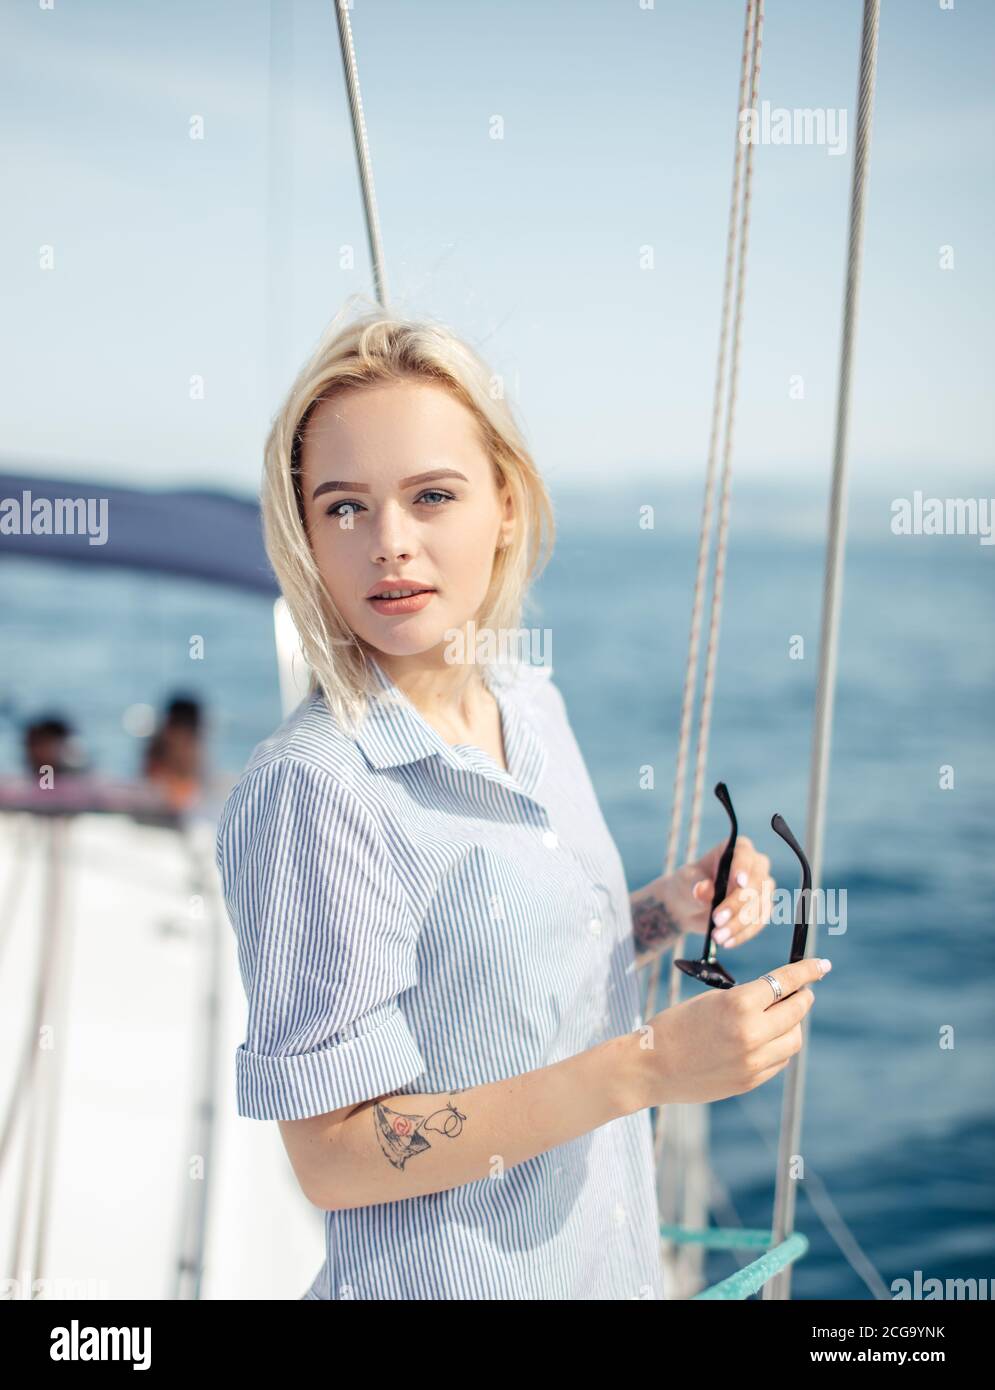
326 945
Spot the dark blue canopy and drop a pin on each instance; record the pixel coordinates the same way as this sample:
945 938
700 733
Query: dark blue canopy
192 533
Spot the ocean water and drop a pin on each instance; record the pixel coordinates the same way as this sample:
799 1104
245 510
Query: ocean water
899 1134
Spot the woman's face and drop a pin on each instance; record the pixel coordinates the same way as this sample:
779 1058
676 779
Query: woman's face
399 493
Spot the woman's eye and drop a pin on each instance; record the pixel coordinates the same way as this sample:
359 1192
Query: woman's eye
336 509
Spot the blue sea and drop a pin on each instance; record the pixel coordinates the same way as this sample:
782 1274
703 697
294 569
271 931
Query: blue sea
898 1136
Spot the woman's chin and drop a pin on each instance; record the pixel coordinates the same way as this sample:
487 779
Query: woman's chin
406 637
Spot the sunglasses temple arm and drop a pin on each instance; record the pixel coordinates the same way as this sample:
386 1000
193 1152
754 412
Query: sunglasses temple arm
799 940
722 873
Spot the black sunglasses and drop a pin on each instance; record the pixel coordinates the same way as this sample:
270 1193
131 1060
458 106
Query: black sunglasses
708 969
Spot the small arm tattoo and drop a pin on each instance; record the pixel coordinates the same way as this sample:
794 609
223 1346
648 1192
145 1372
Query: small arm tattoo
654 926
402 1135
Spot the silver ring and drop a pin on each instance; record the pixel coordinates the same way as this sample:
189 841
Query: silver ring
775 986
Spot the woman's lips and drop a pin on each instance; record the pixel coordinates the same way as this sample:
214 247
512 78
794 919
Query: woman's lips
413 604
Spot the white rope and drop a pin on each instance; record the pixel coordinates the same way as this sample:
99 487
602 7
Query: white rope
711 652
362 150
794 1088
736 247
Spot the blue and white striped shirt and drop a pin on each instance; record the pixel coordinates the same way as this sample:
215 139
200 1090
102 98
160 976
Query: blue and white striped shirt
412 918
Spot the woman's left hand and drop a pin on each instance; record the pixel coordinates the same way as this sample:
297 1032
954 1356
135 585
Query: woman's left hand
746 908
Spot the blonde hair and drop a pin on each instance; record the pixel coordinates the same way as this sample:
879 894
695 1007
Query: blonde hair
373 348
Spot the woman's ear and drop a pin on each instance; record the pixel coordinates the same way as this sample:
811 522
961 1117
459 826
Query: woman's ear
507 522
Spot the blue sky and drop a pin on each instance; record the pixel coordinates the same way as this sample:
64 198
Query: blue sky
176 257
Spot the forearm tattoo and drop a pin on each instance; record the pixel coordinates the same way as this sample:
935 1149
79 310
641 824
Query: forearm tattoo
654 926
402 1135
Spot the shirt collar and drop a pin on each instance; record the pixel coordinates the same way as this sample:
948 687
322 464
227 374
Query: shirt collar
393 733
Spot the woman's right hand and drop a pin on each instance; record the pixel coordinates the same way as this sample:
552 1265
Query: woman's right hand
727 1041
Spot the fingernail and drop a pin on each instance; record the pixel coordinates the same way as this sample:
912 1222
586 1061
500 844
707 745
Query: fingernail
742 879
827 965
721 936
722 916
694 890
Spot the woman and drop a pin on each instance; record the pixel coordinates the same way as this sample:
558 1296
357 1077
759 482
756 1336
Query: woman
435 934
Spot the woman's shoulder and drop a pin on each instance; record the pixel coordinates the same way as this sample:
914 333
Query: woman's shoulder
309 748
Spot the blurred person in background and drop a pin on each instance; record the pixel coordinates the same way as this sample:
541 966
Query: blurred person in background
174 754
52 742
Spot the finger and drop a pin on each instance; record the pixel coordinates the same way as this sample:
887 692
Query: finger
744 873
771 1071
751 907
741 869
745 927
703 890
776 1055
753 916
744 907
755 872
790 977
786 1014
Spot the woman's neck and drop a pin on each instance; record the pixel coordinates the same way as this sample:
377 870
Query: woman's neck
453 695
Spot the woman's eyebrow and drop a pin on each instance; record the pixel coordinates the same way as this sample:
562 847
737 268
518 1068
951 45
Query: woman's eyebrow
337 485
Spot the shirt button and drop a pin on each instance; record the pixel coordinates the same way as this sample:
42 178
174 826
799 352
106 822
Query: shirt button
594 926
550 839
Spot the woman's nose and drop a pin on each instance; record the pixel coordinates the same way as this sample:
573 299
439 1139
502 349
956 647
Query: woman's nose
392 536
